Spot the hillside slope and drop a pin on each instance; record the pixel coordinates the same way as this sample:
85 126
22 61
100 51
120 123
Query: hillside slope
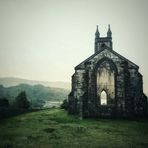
37 94
55 129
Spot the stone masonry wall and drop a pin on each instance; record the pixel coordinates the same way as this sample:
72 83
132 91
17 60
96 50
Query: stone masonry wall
84 100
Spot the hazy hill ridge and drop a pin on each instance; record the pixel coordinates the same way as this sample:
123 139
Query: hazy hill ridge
12 81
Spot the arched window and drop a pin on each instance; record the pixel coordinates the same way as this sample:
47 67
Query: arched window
105 78
103 98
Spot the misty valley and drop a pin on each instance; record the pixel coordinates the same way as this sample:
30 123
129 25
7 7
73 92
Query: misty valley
38 95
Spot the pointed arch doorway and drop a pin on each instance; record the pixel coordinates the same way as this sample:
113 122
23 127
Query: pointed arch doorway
106 81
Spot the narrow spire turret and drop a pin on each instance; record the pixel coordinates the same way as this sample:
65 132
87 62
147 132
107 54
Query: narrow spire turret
97 34
109 33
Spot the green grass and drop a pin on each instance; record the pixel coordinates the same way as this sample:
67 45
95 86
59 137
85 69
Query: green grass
53 128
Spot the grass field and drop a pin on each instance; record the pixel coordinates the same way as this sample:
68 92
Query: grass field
53 128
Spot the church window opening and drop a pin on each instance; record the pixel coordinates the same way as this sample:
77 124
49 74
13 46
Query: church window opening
103 98
106 82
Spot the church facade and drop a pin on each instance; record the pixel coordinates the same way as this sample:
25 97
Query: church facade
106 84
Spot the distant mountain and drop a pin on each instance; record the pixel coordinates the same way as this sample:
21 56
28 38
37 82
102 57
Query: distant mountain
36 94
12 81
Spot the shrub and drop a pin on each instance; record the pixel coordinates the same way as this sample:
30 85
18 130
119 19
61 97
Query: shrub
4 102
21 101
64 105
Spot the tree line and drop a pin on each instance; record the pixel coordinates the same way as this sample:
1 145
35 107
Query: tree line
21 101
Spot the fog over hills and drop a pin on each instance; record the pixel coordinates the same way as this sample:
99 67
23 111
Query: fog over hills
13 81
37 95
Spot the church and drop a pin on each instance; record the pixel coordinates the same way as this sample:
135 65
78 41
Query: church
106 84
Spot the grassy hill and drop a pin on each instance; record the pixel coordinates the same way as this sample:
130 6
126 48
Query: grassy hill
53 128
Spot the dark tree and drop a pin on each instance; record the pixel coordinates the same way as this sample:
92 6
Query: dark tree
21 101
4 102
64 105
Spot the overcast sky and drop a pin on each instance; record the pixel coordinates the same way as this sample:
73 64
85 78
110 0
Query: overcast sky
46 39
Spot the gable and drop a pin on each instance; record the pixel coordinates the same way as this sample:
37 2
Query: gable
107 52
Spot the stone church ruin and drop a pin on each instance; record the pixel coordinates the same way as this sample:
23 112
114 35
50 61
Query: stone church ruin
107 84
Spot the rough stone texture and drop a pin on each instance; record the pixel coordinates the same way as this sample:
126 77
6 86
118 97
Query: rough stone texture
108 72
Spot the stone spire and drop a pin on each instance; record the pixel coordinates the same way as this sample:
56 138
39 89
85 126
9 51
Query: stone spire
97 34
109 33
